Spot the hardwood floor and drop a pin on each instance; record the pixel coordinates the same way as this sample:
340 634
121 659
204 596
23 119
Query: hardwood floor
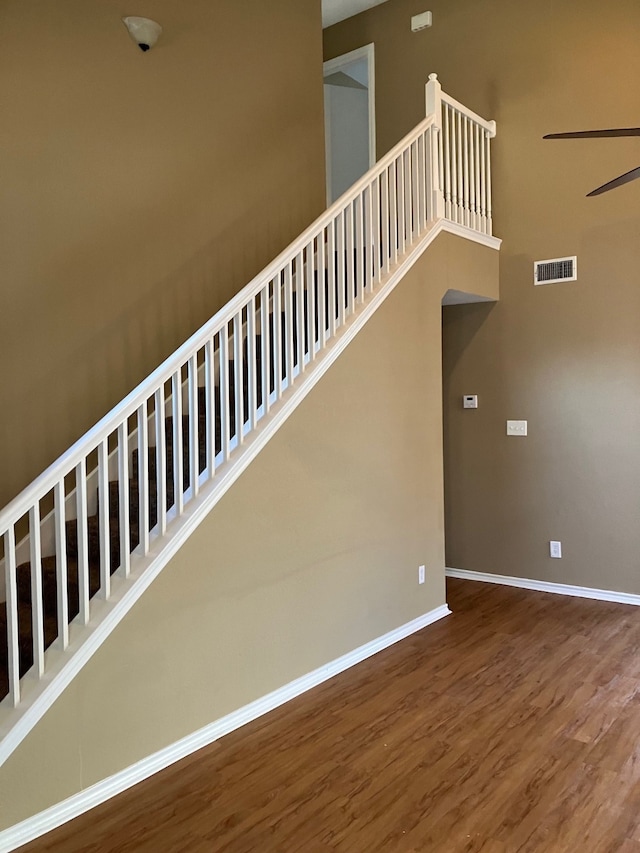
512 725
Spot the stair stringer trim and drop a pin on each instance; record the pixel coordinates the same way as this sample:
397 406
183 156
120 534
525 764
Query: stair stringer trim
84 641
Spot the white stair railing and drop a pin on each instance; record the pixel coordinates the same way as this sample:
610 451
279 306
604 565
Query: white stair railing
183 427
463 183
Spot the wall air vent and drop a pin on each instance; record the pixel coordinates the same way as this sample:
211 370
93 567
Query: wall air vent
558 269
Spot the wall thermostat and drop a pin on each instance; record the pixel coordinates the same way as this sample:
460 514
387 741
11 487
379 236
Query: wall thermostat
470 401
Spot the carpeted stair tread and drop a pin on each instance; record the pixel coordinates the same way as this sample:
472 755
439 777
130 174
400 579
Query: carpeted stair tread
93 538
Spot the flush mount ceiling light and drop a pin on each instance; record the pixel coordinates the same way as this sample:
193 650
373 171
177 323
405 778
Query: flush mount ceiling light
143 31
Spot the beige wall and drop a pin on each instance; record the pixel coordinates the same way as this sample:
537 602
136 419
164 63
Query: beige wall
564 357
313 552
139 192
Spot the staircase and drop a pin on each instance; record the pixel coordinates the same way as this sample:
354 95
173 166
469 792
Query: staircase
83 541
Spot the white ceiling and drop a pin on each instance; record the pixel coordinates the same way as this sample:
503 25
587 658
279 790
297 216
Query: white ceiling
337 10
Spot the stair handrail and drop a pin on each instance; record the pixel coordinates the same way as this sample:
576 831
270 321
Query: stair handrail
435 98
44 483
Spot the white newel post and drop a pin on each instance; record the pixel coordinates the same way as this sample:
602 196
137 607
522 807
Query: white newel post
434 108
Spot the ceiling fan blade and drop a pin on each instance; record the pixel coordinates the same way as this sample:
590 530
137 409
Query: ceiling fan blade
616 182
595 134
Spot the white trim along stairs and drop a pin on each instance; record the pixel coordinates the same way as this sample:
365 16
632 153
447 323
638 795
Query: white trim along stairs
130 492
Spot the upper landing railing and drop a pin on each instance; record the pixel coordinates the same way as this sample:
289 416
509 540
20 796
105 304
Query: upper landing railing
464 160
101 514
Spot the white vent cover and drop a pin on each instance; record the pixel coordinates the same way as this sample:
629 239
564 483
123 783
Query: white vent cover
555 270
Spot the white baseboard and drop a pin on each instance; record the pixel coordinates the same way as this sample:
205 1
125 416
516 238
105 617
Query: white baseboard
80 803
547 586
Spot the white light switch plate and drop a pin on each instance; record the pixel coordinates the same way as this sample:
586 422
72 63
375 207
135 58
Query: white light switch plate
516 427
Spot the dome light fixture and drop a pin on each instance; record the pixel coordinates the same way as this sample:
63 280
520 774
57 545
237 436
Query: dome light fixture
143 31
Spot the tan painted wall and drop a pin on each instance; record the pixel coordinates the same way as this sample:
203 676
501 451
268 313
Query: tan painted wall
313 552
564 357
139 192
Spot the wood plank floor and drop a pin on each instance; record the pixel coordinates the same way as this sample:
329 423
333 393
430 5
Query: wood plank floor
512 725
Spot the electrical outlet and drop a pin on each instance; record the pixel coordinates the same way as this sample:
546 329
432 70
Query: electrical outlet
555 550
421 571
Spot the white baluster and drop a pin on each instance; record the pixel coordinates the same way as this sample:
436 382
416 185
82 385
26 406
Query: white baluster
360 248
455 161
385 221
428 194
161 461
225 393
446 144
194 437
472 177
393 215
369 238
123 499
414 207
408 198
277 335
311 299
400 172
350 252
341 264
11 592
300 314
376 229
322 293
252 367
476 147
176 417
62 583
82 540
266 344
440 184
210 405
238 378
37 603
143 476
431 199
412 218
331 277
288 322
460 169
466 180
103 519
417 191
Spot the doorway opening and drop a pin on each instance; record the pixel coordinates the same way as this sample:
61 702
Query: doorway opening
349 119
